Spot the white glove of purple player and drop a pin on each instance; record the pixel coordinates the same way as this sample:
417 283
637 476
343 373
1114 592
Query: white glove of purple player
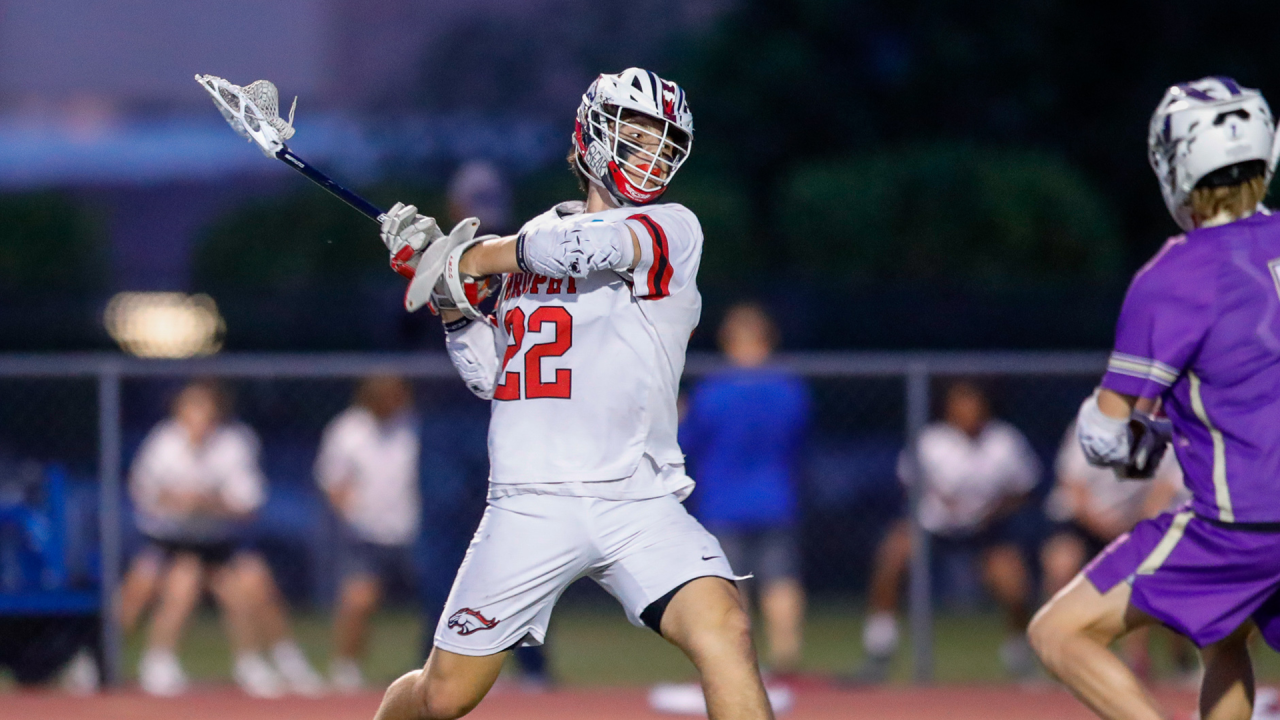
1105 440
406 234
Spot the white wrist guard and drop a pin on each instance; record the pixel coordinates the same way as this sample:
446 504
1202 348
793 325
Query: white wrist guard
456 291
1105 440
576 251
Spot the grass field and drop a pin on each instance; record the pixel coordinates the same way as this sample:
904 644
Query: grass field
594 645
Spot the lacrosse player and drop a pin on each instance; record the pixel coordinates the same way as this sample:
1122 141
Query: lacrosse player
582 363
1199 332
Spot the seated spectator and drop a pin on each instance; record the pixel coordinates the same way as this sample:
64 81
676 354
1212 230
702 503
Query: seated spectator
976 471
743 432
368 468
196 484
1090 507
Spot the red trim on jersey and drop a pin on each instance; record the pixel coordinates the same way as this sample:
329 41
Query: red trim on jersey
660 271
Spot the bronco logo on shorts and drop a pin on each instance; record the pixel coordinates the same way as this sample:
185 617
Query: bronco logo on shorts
468 621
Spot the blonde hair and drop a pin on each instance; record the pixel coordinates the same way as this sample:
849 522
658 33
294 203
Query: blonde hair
1237 201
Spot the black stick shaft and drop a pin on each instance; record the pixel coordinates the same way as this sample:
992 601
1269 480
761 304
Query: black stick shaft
366 208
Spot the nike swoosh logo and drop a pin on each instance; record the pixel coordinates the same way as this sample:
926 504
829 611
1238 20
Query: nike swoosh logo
710 557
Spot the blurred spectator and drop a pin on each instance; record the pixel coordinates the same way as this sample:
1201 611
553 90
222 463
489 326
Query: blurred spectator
196 483
478 189
1090 507
743 431
368 468
976 472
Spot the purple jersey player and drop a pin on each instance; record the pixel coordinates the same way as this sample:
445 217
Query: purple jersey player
1199 333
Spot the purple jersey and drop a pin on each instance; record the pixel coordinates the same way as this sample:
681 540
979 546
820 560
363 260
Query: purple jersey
1200 328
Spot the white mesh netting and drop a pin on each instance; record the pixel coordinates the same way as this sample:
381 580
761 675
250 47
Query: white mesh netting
247 108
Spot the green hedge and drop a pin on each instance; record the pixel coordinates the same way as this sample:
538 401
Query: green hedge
49 241
950 214
303 239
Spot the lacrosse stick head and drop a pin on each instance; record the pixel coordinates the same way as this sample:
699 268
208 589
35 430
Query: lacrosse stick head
253 111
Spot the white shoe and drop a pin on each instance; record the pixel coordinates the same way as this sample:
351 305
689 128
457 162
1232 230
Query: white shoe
81 676
1266 704
687 699
257 678
345 675
297 672
160 673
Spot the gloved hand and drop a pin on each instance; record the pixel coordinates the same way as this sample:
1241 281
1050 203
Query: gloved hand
1151 436
406 235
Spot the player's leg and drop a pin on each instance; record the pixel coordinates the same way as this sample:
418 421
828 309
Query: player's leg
179 591
1071 634
236 591
880 631
270 616
1061 558
671 575
159 671
139 586
782 598
357 599
782 603
1226 692
526 551
448 686
1006 577
238 605
706 619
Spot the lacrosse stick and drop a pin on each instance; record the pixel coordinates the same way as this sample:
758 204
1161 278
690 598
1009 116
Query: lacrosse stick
253 112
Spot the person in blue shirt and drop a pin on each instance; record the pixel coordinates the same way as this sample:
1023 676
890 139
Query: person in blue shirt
742 432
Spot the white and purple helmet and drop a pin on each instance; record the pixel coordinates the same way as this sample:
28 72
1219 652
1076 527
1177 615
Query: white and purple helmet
1203 126
602 152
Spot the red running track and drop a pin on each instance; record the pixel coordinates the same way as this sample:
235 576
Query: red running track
812 703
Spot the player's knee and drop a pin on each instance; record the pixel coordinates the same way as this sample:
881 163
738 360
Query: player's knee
1048 637
726 632
441 700
360 595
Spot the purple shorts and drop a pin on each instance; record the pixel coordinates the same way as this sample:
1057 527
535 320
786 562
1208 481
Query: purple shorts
1201 579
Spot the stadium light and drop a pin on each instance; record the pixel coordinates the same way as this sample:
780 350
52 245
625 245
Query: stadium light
165 324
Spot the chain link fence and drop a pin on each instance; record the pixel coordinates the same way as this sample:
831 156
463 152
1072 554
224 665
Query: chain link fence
70 426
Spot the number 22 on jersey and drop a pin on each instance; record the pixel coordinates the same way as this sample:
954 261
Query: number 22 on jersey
516 325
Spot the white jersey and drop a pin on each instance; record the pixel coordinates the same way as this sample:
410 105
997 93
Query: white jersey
226 464
965 477
1121 500
588 370
378 461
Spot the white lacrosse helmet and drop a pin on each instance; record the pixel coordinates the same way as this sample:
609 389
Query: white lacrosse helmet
1203 126
606 115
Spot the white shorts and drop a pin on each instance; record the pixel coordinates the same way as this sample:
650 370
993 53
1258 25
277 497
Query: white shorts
529 548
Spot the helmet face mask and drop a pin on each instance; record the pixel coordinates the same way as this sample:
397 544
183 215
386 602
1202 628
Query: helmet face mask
1201 127
633 133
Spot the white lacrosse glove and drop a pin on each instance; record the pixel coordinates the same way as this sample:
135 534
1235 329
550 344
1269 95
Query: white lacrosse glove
406 235
1105 440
